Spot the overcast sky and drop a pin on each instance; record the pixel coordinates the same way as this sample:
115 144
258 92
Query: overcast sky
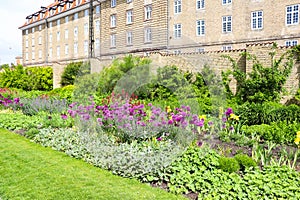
12 16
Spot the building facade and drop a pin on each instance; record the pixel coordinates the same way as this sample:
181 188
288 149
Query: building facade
61 31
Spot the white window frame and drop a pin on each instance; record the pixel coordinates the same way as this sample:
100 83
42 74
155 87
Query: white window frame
148 35
177 31
257 20
58 23
129 16
50 24
291 43
40 40
113 3
75 16
292 14
66 49
129 38
177 6
50 52
66 34
58 51
200 50
40 27
86 13
97 43
113 40
200 27
66 19
32 41
32 30
200 4
113 21
26 56
40 54
227 24
50 38
97 26
148 12
26 43
226 2
86 28
32 55
128 1
76 32
75 48
97 9
226 48
58 36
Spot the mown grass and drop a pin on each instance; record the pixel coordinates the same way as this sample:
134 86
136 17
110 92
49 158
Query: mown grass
30 171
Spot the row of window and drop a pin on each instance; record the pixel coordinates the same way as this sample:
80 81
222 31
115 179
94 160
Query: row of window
129 16
58 48
129 37
200 4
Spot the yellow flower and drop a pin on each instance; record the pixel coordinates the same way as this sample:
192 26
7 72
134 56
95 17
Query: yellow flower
168 109
202 117
235 117
297 140
298 134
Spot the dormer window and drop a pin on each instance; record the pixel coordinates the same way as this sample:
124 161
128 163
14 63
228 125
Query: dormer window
60 8
69 5
78 2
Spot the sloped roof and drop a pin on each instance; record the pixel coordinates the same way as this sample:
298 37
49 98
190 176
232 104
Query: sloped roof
59 6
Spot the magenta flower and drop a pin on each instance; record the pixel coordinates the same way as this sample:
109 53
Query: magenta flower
64 116
159 139
228 112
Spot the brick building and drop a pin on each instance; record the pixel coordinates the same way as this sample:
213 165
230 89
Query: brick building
60 32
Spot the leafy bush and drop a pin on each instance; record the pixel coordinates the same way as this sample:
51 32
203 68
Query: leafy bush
229 165
245 161
278 132
262 83
29 78
72 71
63 93
266 113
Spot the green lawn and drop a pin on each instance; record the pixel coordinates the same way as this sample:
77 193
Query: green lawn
30 171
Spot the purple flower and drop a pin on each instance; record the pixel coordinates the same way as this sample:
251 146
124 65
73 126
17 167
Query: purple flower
224 119
170 122
16 100
159 139
64 116
223 126
231 128
199 143
210 123
228 112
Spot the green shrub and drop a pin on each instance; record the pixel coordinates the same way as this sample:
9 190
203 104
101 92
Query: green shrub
72 71
262 83
29 78
63 93
229 165
245 161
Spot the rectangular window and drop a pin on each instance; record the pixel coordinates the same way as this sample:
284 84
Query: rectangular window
26 43
32 30
76 32
26 32
50 24
113 3
86 28
200 26
40 54
40 40
257 20
97 27
75 16
292 14
58 22
224 2
66 34
129 38
128 1
200 50
66 49
86 13
113 40
227 24
75 47
148 12
177 30
58 36
129 17
40 27
98 9
200 4
69 5
113 21
226 48
58 51
33 55
67 19
291 43
148 35
97 44
26 56
177 6
32 42
50 38
50 52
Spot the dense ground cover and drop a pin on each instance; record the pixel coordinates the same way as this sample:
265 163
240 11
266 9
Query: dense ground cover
184 132
29 171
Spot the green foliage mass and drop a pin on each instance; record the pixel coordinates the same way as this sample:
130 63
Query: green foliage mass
74 70
245 161
29 78
262 83
229 165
